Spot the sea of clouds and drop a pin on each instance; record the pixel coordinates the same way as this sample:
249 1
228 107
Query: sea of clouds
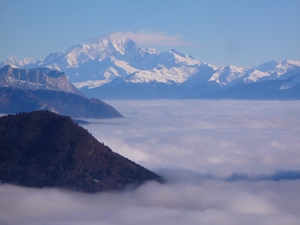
225 162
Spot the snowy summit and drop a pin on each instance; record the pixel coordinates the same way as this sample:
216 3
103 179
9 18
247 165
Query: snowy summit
119 63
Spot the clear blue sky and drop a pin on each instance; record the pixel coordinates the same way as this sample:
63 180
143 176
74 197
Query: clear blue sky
240 32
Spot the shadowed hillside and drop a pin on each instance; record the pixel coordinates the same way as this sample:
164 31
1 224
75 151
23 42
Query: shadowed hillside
13 100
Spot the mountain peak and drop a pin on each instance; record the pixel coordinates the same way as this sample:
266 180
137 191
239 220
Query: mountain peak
121 45
15 62
12 58
267 66
291 62
130 45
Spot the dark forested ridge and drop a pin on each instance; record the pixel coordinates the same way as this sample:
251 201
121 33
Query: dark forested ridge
43 149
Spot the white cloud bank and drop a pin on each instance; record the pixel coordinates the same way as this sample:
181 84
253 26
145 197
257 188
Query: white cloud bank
206 202
197 146
219 137
145 38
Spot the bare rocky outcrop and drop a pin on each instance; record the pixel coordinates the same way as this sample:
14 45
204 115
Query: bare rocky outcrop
36 79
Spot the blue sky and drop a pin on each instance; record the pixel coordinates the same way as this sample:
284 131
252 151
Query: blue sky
241 33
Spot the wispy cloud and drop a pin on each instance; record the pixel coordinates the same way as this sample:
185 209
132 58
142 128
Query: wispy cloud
146 38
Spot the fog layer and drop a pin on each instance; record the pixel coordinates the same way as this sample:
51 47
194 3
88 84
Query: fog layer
225 162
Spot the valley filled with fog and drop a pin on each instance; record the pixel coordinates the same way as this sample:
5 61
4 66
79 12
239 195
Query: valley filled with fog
224 162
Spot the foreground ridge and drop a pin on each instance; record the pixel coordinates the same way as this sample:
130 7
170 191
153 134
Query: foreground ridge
42 149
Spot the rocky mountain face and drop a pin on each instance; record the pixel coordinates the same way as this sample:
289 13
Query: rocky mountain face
25 90
42 149
118 68
35 79
14 100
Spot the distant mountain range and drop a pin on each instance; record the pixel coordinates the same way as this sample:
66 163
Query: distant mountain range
43 149
119 69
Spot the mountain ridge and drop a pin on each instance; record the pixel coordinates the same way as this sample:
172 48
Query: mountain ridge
92 67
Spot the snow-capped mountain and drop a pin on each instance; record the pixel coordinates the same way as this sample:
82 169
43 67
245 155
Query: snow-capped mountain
118 68
99 63
273 70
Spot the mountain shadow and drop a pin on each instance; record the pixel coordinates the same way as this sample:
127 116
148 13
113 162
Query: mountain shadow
13 100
